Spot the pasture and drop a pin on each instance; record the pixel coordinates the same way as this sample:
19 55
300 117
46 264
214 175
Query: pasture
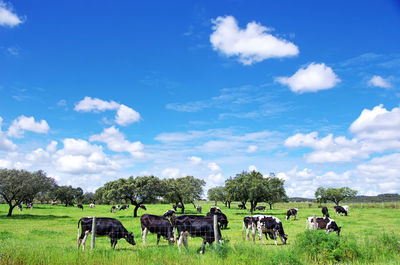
48 235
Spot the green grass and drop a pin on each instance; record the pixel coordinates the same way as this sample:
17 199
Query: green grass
47 235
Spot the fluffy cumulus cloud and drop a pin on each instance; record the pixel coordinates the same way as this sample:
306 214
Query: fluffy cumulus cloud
252 168
171 173
5 144
378 123
23 123
7 16
312 78
213 166
116 142
379 81
195 160
125 115
253 44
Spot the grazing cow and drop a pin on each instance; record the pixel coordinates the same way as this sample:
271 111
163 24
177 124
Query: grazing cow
29 206
248 224
70 204
169 213
159 225
143 207
53 203
260 208
195 226
340 210
346 208
242 206
268 225
124 207
221 217
215 209
325 211
323 223
113 209
80 206
19 207
198 208
92 205
105 226
292 212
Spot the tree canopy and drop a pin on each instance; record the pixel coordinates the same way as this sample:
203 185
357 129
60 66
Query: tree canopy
335 195
216 194
183 190
67 194
17 186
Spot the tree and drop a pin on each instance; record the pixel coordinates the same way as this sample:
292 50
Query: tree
67 194
17 186
275 191
335 195
231 191
88 198
183 190
216 194
137 190
320 195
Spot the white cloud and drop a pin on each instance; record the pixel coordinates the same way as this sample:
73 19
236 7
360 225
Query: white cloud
378 123
313 78
23 123
171 172
8 17
253 44
195 160
5 144
378 81
116 142
125 115
252 149
213 166
252 168
94 104
52 147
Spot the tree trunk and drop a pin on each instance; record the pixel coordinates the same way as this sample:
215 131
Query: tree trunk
226 203
229 205
244 205
10 210
270 206
215 203
251 207
137 205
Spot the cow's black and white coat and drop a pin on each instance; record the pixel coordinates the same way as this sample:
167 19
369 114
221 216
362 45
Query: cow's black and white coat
325 211
221 217
124 207
158 225
80 206
248 222
261 208
194 226
323 223
169 213
340 210
105 226
198 208
292 212
268 225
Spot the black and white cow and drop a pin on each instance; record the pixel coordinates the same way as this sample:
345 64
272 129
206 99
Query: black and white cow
124 207
113 209
268 225
53 203
176 206
19 207
80 206
323 223
92 205
340 210
195 226
221 217
325 211
248 222
346 208
242 206
198 208
159 225
215 209
29 206
105 226
292 212
169 213
260 208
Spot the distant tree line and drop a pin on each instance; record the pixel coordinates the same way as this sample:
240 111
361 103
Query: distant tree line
250 187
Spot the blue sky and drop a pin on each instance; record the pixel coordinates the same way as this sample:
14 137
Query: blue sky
92 91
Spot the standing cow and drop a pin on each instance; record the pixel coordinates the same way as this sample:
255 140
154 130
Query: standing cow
325 211
221 218
198 208
92 205
158 225
268 225
292 212
105 226
80 206
323 223
195 226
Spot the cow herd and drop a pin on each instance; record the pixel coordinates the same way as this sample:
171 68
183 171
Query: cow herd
169 225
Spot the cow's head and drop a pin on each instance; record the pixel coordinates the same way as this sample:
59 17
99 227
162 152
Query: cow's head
129 238
285 238
170 236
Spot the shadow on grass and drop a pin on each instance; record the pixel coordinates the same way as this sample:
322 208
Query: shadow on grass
31 216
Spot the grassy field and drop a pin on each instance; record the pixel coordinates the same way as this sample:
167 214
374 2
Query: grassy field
47 235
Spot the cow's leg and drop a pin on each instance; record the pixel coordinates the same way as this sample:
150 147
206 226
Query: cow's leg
144 234
158 238
114 243
84 240
247 232
276 237
185 241
203 246
180 241
260 235
253 234
174 232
